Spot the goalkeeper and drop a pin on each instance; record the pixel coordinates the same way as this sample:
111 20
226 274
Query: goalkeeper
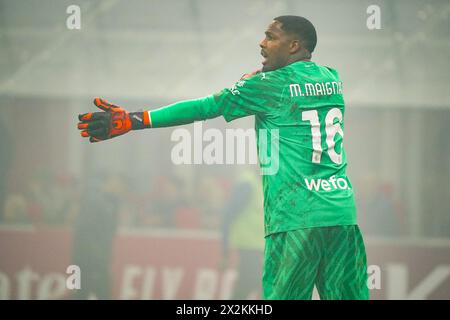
311 232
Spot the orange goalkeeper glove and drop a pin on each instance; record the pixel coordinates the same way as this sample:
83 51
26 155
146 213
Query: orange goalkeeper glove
113 122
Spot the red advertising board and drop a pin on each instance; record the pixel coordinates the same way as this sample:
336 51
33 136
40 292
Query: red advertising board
164 264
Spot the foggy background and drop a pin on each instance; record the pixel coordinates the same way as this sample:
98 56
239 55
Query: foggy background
133 220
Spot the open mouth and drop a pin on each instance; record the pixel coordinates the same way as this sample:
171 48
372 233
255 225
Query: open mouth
264 55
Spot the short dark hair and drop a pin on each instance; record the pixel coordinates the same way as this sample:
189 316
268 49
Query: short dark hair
301 27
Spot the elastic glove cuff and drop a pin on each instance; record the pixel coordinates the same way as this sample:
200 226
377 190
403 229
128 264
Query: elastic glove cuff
139 120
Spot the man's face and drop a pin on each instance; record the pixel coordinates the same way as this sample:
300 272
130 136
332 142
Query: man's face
275 47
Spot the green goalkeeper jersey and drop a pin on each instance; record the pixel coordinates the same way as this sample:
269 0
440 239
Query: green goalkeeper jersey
299 114
299 122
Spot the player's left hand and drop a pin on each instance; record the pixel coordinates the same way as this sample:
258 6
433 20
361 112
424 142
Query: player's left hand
113 121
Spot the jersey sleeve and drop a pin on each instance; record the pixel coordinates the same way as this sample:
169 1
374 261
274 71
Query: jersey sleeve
257 95
184 112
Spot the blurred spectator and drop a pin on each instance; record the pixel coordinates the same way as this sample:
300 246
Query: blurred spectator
94 234
158 207
380 213
15 210
210 197
243 231
188 218
5 161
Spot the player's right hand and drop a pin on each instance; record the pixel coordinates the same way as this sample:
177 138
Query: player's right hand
113 121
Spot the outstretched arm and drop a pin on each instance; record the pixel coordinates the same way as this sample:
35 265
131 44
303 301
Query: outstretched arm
249 96
116 121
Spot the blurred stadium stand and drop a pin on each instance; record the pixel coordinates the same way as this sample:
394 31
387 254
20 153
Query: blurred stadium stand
146 54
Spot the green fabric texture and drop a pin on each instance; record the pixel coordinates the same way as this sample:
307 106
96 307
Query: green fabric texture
331 258
299 115
185 112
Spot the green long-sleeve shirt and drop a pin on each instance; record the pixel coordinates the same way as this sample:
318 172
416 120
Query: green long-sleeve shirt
300 110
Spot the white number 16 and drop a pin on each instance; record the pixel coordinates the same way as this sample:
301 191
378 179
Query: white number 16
330 128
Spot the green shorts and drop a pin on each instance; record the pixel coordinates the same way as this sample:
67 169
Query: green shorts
331 258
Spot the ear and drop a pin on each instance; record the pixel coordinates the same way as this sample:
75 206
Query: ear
295 46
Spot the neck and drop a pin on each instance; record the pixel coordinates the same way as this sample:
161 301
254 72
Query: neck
297 59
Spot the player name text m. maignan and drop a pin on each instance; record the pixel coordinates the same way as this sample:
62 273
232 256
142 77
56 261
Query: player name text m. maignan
315 89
